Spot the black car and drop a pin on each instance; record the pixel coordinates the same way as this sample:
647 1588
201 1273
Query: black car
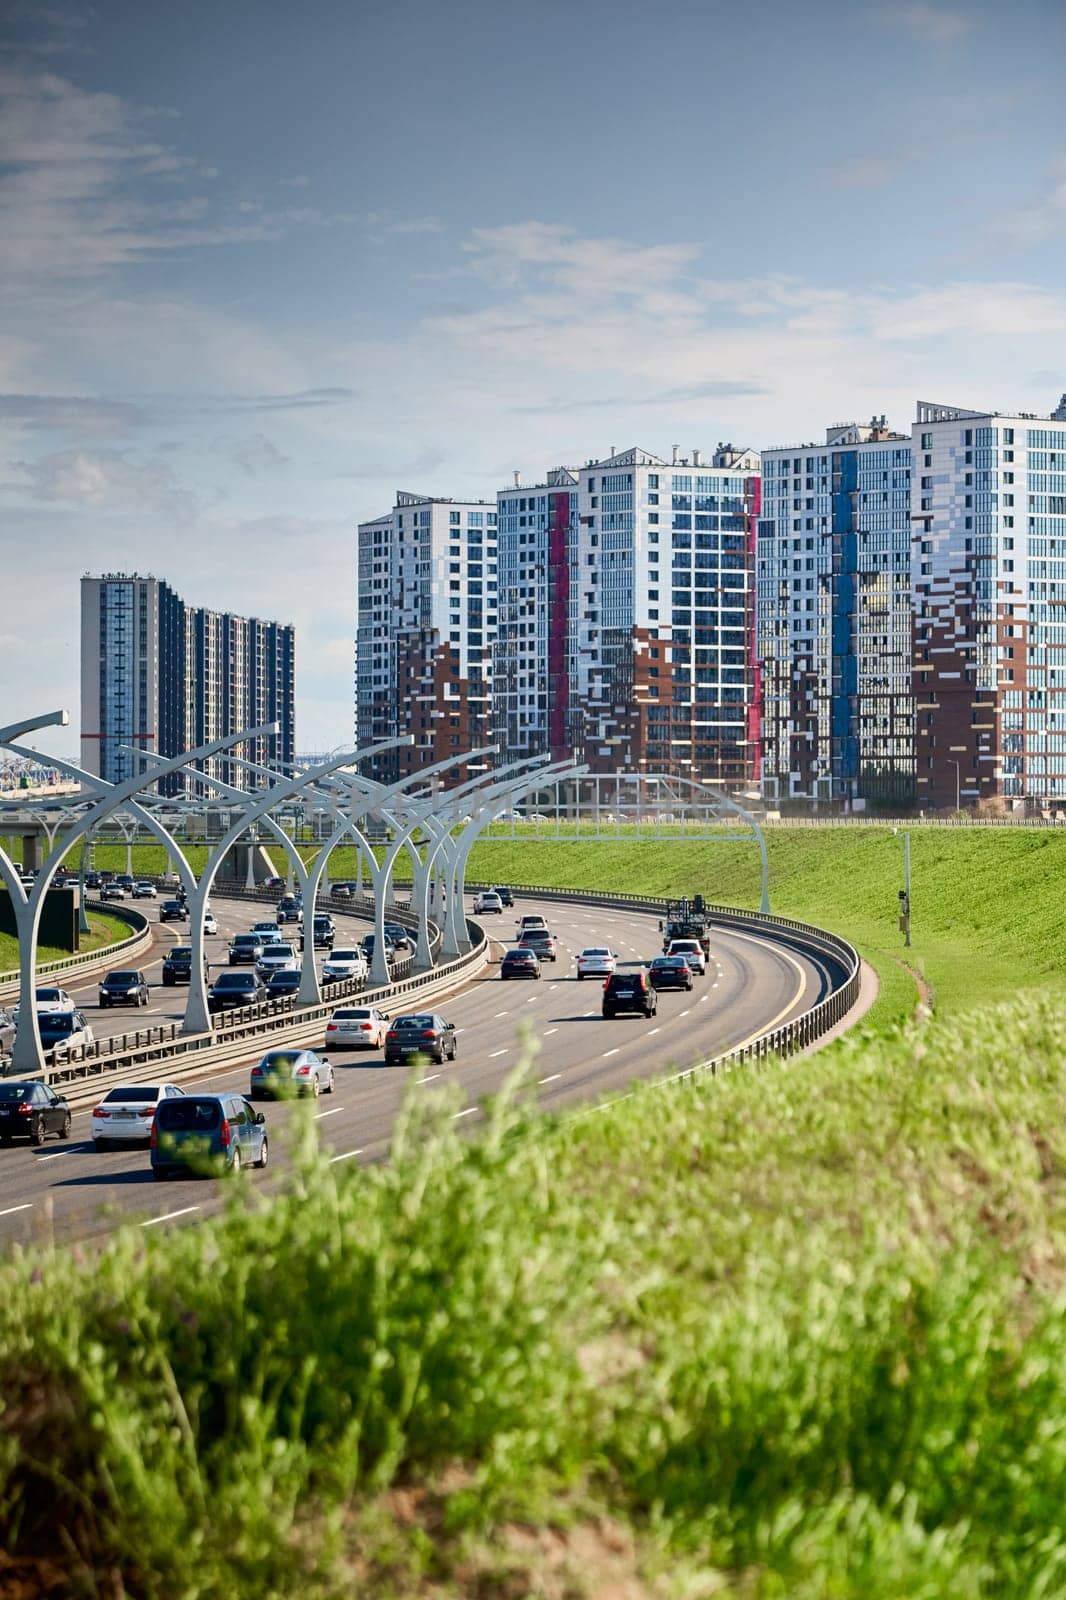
323 933
629 991
424 1034
173 911
506 897
283 985
670 972
520 963
126 988
177 965
30 1110
232 989
401 938
92 880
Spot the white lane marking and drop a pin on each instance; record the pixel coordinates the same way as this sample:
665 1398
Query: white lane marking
332 1112
54 1157
345 1155
469 1112
168 1216
685 1012
549 1031
493 1054
613 1052
550 1078
429 1077
651 1031
703 998
532 1000
28 1206
590 1013
503 1013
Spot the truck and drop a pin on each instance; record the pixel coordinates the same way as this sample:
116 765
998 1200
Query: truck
685 920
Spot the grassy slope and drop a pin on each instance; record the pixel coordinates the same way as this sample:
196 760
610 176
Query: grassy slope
105 930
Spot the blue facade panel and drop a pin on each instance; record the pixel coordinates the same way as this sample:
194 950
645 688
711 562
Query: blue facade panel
845 567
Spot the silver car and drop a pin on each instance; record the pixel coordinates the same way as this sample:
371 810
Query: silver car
283 1073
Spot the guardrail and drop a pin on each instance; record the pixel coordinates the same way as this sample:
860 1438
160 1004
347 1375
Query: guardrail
104 956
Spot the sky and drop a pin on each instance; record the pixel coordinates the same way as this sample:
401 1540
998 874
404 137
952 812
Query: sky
261 265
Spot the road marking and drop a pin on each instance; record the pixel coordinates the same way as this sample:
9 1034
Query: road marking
590 1013
503 1013
496 1053
549 1031
532 1000
550 1078
703 998
54 1157
429 1077
28 1206
613 1052
332 1112
345 1156
685 1012
651 1031
469 1112
168 1216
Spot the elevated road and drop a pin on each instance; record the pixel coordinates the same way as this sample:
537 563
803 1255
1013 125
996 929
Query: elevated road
67 1191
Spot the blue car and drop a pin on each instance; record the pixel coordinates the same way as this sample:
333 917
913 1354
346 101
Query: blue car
207 1134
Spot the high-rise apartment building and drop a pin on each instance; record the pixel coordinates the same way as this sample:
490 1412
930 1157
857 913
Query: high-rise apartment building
989 581
426 620
626 621
164 676
833 603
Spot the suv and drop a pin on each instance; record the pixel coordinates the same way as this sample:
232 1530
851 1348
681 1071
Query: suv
173 911
692 951
113 891
177 965
128 988
245 948
207 1133
526 924
290 909
323 933
231 989
488 900
629 991
506 897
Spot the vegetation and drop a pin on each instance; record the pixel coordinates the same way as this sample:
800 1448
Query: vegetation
104 929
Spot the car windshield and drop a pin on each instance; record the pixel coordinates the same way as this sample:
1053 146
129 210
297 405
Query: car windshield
414 1022
286 980
123 977
351 1014
145 1092
247 938
63 1022
234 980
180 952
519 955
345 955
189 1113
14 1091
280 1058
45 996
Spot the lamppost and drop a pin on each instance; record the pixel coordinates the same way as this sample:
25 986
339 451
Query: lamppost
958 782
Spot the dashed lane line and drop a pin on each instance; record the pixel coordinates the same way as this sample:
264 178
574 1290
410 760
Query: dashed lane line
552 1076
549 1031
26 1206
345 1155
332 1112
469 1112
494 1053
613 1052
168 1216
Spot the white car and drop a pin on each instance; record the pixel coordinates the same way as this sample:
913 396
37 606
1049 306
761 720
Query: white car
277 957
488 901
344 964
692 951
63 1031
357 1027
144 891
210 924
46 1001
596 962
125 1116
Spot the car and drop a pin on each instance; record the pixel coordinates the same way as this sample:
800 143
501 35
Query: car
125 1115
272 883
46 999
269 932
113 891
7 1031
345 963
399 936
177 965
63 1031
145 890
521 962
323 932
506 897
245 948
277 957
207 1134
629 991
31 1110
356 1027
232 989
92 880
527 923
283 985
596 961
128 882
340 891
289 909
289 1072
692 951
487 902
366 945
542 941
670 972
422 1034
210 923
126 988
173 911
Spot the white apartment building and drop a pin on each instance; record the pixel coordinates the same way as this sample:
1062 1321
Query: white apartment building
426 619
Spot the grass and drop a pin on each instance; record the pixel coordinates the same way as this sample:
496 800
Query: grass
798 1332
104 929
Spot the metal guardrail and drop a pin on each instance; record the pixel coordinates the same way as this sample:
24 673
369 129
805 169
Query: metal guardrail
871 819
88 958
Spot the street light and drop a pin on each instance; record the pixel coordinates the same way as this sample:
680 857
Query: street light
958 781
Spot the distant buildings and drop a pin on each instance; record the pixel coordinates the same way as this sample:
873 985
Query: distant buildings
167 677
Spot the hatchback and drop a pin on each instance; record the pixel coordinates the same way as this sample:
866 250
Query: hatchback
356 1028
424 1034
31 1111
629 991
125 1115
208 1134
126 988
286 1072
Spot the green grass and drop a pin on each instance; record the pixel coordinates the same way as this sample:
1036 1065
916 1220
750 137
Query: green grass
798 1332
104 930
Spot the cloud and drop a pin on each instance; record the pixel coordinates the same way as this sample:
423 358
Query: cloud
1043 217
867 171
711 389
107 479
73 413
555 254
929 24
257 454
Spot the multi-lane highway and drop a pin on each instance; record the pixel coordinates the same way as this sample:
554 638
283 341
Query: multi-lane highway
68 1191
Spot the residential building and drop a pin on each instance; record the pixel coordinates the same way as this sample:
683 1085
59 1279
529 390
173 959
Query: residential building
652 571
833 586
164 676
989 578
426 619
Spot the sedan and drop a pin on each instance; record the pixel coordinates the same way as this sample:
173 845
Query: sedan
145 891
231 989
125 1116
63 1032
31 1110
356 1028
400 936
424 1034
670 972
344 964
287 1072
283 986
596 962
544 943
112 891
126 988
521 963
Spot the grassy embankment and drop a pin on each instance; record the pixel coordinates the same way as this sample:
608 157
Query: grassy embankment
104 930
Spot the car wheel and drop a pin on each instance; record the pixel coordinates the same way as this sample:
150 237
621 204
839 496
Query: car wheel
235 1161
316 1087
37 1131
64 1131
455 1048
262 1154
329 1083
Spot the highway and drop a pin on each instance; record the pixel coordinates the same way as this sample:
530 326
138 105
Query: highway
66 1191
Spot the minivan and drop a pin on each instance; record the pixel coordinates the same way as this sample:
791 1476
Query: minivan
207 1134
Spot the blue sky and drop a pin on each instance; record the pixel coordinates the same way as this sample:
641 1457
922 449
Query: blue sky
260 265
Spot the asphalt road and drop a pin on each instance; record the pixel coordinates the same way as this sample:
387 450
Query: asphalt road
66 1191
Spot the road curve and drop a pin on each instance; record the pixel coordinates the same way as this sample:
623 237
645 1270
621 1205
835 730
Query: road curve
65 1192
